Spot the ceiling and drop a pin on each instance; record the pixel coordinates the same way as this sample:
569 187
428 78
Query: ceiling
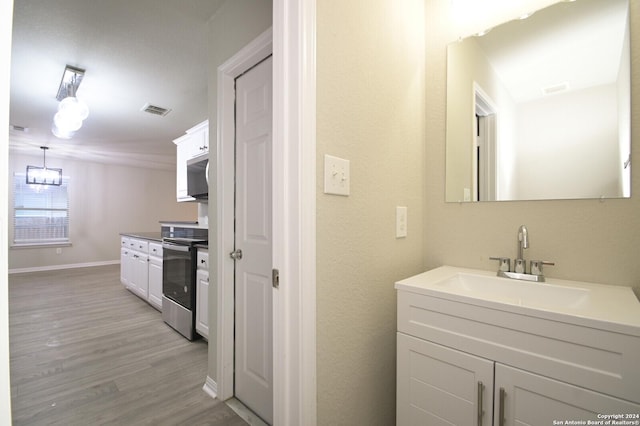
571 44
134 52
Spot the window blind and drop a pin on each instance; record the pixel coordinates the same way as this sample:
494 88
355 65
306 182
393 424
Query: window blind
41 212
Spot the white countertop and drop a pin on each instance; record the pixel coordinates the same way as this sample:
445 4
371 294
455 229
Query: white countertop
601 306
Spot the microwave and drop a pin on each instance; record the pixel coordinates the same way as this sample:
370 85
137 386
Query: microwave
198 177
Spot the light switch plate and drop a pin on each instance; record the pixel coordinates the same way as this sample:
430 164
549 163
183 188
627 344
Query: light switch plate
401 222
336 175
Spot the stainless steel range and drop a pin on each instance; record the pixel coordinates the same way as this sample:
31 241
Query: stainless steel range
179 281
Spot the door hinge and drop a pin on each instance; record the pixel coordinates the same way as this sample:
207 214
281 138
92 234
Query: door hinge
275 278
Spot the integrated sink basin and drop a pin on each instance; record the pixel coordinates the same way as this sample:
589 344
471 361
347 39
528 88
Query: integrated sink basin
587 303
520 293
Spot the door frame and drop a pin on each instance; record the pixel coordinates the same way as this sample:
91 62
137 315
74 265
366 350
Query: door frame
292 42
242 61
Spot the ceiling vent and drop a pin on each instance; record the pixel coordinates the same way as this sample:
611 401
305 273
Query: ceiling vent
155 110
20 129
556 88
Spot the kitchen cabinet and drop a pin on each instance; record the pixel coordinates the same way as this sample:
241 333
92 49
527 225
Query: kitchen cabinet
155 275
139 264
125 268
141 269
193 144
202 293
471 364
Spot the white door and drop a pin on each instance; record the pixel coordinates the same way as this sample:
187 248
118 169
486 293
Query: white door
253 298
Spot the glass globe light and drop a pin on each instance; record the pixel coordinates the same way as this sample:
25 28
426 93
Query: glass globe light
74 106
67 122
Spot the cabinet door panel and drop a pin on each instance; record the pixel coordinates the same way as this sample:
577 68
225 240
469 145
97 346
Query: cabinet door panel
124 266
202 302
531 399
155 282
437 385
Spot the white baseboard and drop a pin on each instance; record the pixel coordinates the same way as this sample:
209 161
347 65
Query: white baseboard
68 266
210 387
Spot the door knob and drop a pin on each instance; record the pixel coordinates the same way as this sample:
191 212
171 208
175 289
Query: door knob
236 254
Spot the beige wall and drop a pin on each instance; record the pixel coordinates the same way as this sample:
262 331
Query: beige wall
588 239
236 23
370 110
104 200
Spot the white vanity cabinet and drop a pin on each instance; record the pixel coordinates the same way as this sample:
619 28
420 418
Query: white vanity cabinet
155 275
470 362
193 144
202 293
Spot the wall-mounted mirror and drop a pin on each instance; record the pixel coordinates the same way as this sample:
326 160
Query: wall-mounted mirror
539 108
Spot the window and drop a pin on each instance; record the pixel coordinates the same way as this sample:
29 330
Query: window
40 212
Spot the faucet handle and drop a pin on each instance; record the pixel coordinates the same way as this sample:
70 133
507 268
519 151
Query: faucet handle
505 263
536 266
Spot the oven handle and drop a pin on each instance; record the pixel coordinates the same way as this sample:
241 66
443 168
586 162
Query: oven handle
176 247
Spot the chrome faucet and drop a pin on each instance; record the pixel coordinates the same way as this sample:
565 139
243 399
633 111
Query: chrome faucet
519 264
523 241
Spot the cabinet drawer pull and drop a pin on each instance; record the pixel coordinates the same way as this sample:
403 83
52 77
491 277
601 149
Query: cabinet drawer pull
503 394
480 402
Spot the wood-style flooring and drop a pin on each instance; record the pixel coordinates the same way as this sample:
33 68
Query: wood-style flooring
85 351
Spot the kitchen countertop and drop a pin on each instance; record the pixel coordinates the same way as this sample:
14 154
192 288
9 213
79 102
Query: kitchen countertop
153 236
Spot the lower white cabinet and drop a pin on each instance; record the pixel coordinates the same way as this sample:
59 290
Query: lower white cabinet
155 275
437 385
202 293
139 280
465 364
525 398
141 269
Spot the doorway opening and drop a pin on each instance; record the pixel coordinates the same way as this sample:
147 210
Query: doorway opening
485 147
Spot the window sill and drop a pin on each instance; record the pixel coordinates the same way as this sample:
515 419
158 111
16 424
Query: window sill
40 245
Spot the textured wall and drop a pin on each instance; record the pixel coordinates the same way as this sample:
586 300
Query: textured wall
588 239
370 110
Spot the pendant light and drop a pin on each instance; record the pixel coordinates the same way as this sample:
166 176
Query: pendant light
43 175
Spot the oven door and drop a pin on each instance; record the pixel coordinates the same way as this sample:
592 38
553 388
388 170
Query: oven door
178 273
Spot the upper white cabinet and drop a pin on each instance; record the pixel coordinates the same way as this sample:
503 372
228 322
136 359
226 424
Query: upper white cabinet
193 144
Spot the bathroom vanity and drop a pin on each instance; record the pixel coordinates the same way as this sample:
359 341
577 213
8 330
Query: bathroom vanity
476 349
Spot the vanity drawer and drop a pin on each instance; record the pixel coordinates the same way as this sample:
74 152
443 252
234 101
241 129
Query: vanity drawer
593 358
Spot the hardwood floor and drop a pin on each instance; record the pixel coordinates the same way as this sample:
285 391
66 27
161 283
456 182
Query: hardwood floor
85 351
